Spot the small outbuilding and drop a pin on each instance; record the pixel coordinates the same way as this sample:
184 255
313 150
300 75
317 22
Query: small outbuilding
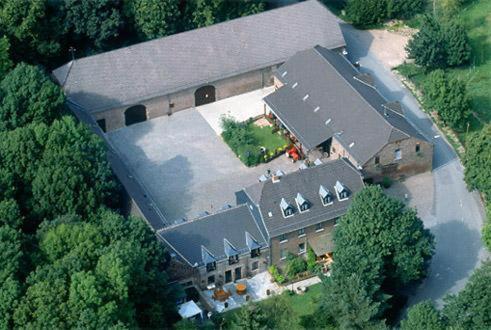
189 310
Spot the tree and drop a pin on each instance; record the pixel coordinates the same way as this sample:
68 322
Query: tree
366 12
278 312
486 230
208 12
250 317
423 316
428 46
470 308
95 24
477 161
448 96
156 18
73 175
458 48
405 8
5 62
28 95
10 214
354 308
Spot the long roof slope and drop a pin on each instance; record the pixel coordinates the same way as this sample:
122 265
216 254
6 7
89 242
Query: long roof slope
269 195
132 74
325 96
211 237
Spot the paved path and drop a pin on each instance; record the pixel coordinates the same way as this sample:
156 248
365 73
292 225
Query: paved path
456 215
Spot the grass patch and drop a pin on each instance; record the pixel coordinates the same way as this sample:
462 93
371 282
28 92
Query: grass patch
301 305
251 143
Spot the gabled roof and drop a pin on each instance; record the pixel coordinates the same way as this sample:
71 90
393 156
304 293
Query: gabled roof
306 182
214 237
158 67
339 105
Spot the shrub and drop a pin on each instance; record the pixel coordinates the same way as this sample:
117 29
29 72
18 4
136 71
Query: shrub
386 182
311 260
427 47
295 265
275 273
366 12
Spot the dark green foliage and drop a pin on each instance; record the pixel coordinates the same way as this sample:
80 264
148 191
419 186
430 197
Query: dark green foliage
428 46
250 317
379 244
353 307
458 48
278 312
207 12
10 214
366 12
295 265
241 140
27 95
470 308
155 18
423 316
96 24
5 61
405 8
276 274
486 230
477 161
73 175
447 96
98 274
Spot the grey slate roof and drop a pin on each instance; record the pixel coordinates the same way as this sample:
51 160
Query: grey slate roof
132 74
215 236
306 182
348 109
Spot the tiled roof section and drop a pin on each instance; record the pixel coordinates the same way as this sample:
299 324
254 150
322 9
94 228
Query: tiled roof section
306 182
214 236
132 74
338 105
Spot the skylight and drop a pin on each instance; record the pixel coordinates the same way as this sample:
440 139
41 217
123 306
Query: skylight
328 121
284 73
317 109
295 85
305 97
352 144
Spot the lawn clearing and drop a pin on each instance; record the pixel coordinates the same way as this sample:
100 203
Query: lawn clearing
301 304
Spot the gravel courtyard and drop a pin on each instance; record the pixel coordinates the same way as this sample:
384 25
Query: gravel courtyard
185 166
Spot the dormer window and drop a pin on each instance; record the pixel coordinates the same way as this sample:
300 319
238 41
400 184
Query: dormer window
255 253
233 259
211 266
208 259
286 209
341 190
326 196
231 252
302 203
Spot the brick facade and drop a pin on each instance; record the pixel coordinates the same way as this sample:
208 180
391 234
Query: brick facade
168 104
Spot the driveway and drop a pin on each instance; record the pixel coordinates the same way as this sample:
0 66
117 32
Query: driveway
184 165
453 214
240 107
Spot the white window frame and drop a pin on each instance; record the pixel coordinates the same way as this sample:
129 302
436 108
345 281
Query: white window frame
304 248
397 152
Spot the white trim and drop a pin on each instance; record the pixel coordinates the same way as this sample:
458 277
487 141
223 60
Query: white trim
302 235
319 230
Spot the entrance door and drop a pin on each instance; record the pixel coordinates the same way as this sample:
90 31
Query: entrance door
204 95
228 276
135 114
238 273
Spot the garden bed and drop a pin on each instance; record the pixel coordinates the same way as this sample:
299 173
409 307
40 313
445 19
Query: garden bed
251 143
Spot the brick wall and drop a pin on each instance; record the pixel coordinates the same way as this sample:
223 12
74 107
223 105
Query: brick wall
184 99
293 240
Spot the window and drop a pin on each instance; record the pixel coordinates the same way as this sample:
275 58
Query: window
301 232
418 147
211 266
343 195
286 208
397 154
326 200
318 227
171 105
255 265
283 254
255 253
377 159
288 212
304 207
211 279
283 238
333 150
301 248
233 259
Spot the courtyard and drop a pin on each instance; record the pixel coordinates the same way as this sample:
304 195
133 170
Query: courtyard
183 162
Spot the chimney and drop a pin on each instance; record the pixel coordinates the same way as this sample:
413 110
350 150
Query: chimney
276 178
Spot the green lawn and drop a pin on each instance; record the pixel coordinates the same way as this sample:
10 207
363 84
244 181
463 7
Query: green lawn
302 305
266 138
476 17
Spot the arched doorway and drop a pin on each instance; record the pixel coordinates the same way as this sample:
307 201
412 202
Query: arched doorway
204 95
135 114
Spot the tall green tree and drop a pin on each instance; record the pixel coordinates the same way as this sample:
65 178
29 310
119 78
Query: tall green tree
73 175
405 8
27 95
208 12
423 316
250 317
458 47
93 24
366 12
428 46
469 309
5 61
477 161
156 18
